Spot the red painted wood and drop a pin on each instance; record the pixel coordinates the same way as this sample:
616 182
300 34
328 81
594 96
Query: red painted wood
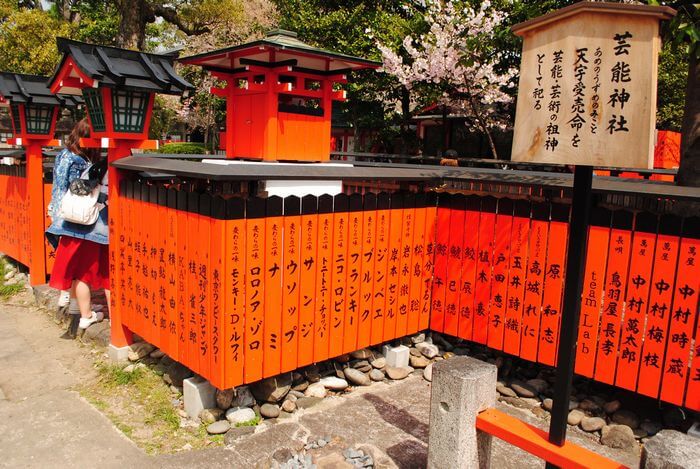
636 301
499 285
683 313
456 234
613 301
592 295
517 269
484 266
660 304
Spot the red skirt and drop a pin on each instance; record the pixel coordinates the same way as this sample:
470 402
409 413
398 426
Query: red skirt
80 259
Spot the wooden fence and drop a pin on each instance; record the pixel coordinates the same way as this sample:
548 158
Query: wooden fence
239 289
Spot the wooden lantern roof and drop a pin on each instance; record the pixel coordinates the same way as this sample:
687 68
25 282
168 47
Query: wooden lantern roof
18 88
279 48
87 65
660 12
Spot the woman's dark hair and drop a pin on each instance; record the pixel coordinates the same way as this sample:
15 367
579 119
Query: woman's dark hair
82 130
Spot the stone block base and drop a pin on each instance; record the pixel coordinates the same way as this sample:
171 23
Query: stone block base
198 395
118 354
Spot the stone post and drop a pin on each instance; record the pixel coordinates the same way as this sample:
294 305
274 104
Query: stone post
461 388
670 449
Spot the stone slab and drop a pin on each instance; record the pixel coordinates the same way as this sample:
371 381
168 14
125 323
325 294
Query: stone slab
197 394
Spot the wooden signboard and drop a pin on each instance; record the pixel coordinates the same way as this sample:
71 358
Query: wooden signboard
587 92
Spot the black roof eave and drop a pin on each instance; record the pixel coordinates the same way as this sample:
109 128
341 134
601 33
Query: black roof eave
165 81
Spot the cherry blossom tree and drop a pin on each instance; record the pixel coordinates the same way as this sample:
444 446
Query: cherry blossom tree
453 61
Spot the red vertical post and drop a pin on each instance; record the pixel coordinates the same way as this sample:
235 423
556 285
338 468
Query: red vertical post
484 265
307 293
532 302
380 268
592 294
689 261
405 254
683 314
323 278
393 266
274 268
470 244
517 269
614 294
660 304
120 335
235 279
456 234
416 264
338 273
354 267
35 191
553 284
499 285
369 231
428 261
636 300
292 279
441 248
255 290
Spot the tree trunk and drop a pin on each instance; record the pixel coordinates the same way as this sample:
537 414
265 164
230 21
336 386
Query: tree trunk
689 170
484 127
132 28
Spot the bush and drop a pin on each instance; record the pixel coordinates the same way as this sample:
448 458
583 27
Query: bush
183 148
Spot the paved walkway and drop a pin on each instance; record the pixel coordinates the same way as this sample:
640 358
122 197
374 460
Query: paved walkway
43 423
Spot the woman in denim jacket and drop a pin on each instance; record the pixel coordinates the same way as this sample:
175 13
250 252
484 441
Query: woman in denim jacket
82 260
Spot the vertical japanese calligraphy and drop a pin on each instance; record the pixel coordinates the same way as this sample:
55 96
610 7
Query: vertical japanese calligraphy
323 277
614 295
339 267
440 250
369 230
307 290
234 290
254 312
455 240
683 315
274 261
587 89
499 285
660 303
517 268
354 267
688 270
217 292
291 274
636 300
553 288
381 252
534 278
393 265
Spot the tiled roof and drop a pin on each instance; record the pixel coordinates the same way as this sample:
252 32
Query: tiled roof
131 69
22 89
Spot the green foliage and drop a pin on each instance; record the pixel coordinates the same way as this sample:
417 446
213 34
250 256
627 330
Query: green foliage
28 42
183 148
250 423
114 375
148 388
7 291
673 76
99 22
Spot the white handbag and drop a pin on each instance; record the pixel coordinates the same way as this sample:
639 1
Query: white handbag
81 209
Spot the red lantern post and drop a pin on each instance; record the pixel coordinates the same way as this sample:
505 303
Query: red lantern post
118 87
34 111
